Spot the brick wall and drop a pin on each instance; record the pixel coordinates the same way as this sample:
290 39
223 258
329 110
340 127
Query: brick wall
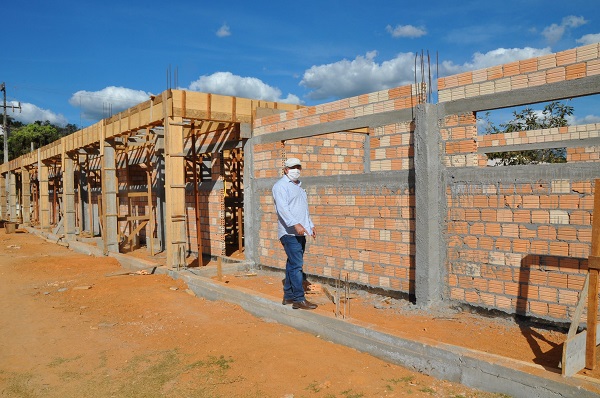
364 231
516 238
519 243
212 210
519 247
563 66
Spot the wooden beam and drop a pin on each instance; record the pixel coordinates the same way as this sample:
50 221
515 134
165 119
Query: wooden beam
592 315
133 218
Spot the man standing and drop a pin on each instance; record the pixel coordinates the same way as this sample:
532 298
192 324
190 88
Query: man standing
293 226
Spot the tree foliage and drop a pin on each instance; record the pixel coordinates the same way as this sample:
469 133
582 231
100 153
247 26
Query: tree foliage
21 136
554 114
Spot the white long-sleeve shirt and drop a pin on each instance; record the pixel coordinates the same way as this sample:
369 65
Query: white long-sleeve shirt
291 203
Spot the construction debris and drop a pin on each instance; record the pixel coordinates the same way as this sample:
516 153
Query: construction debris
146 271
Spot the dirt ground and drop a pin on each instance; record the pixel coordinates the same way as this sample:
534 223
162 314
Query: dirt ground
73 325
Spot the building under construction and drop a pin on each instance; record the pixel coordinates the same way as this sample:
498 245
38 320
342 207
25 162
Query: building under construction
398 186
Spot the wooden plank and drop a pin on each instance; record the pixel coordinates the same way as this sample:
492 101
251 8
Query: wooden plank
592 313
592 321
136 231
328 294
579 309
132 194
219 269
594 262
149 200
133 218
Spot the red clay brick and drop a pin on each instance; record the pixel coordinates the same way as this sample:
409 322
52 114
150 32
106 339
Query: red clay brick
559 248
486 243
557 311
576 71
566 57
537 308
503 244
528 65
492 229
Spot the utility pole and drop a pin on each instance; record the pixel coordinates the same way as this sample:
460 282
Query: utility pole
4 130
4 126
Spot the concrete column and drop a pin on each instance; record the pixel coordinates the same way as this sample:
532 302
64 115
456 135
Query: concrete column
3 198
12 196
68 180
44 201
110 204
430 204
83 194
26 196
251 207
175 219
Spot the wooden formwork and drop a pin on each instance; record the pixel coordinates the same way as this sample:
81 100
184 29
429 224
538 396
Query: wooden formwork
187 121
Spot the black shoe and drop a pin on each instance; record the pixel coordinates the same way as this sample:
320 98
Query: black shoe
286 301
304 305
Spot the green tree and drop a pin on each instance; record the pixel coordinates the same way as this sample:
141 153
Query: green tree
68 129
38 133
554 115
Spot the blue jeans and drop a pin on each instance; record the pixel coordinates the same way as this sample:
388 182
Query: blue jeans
294 248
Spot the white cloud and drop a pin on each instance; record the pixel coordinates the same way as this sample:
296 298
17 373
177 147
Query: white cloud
492 58
31 113
588 119
96 105
345 78
226 83
224 31
555 32
589 39
406 31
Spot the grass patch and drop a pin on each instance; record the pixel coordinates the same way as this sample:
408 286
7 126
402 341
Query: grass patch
19 385
166 373
59 361
352 394
313 387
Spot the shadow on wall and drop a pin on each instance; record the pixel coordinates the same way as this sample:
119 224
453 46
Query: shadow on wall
547 287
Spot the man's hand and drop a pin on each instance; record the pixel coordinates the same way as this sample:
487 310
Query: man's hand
314 233
300 229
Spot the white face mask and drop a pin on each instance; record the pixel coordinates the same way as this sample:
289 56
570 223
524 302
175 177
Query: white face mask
294 174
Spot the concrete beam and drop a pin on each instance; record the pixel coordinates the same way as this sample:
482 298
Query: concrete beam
525 96
375 120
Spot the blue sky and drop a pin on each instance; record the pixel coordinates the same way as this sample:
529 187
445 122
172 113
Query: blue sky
79 61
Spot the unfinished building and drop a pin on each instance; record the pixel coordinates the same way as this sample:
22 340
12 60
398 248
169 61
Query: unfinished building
399 187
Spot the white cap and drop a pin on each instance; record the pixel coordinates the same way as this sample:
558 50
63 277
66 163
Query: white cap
292 162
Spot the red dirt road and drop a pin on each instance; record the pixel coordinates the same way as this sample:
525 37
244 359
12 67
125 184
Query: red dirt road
69 330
